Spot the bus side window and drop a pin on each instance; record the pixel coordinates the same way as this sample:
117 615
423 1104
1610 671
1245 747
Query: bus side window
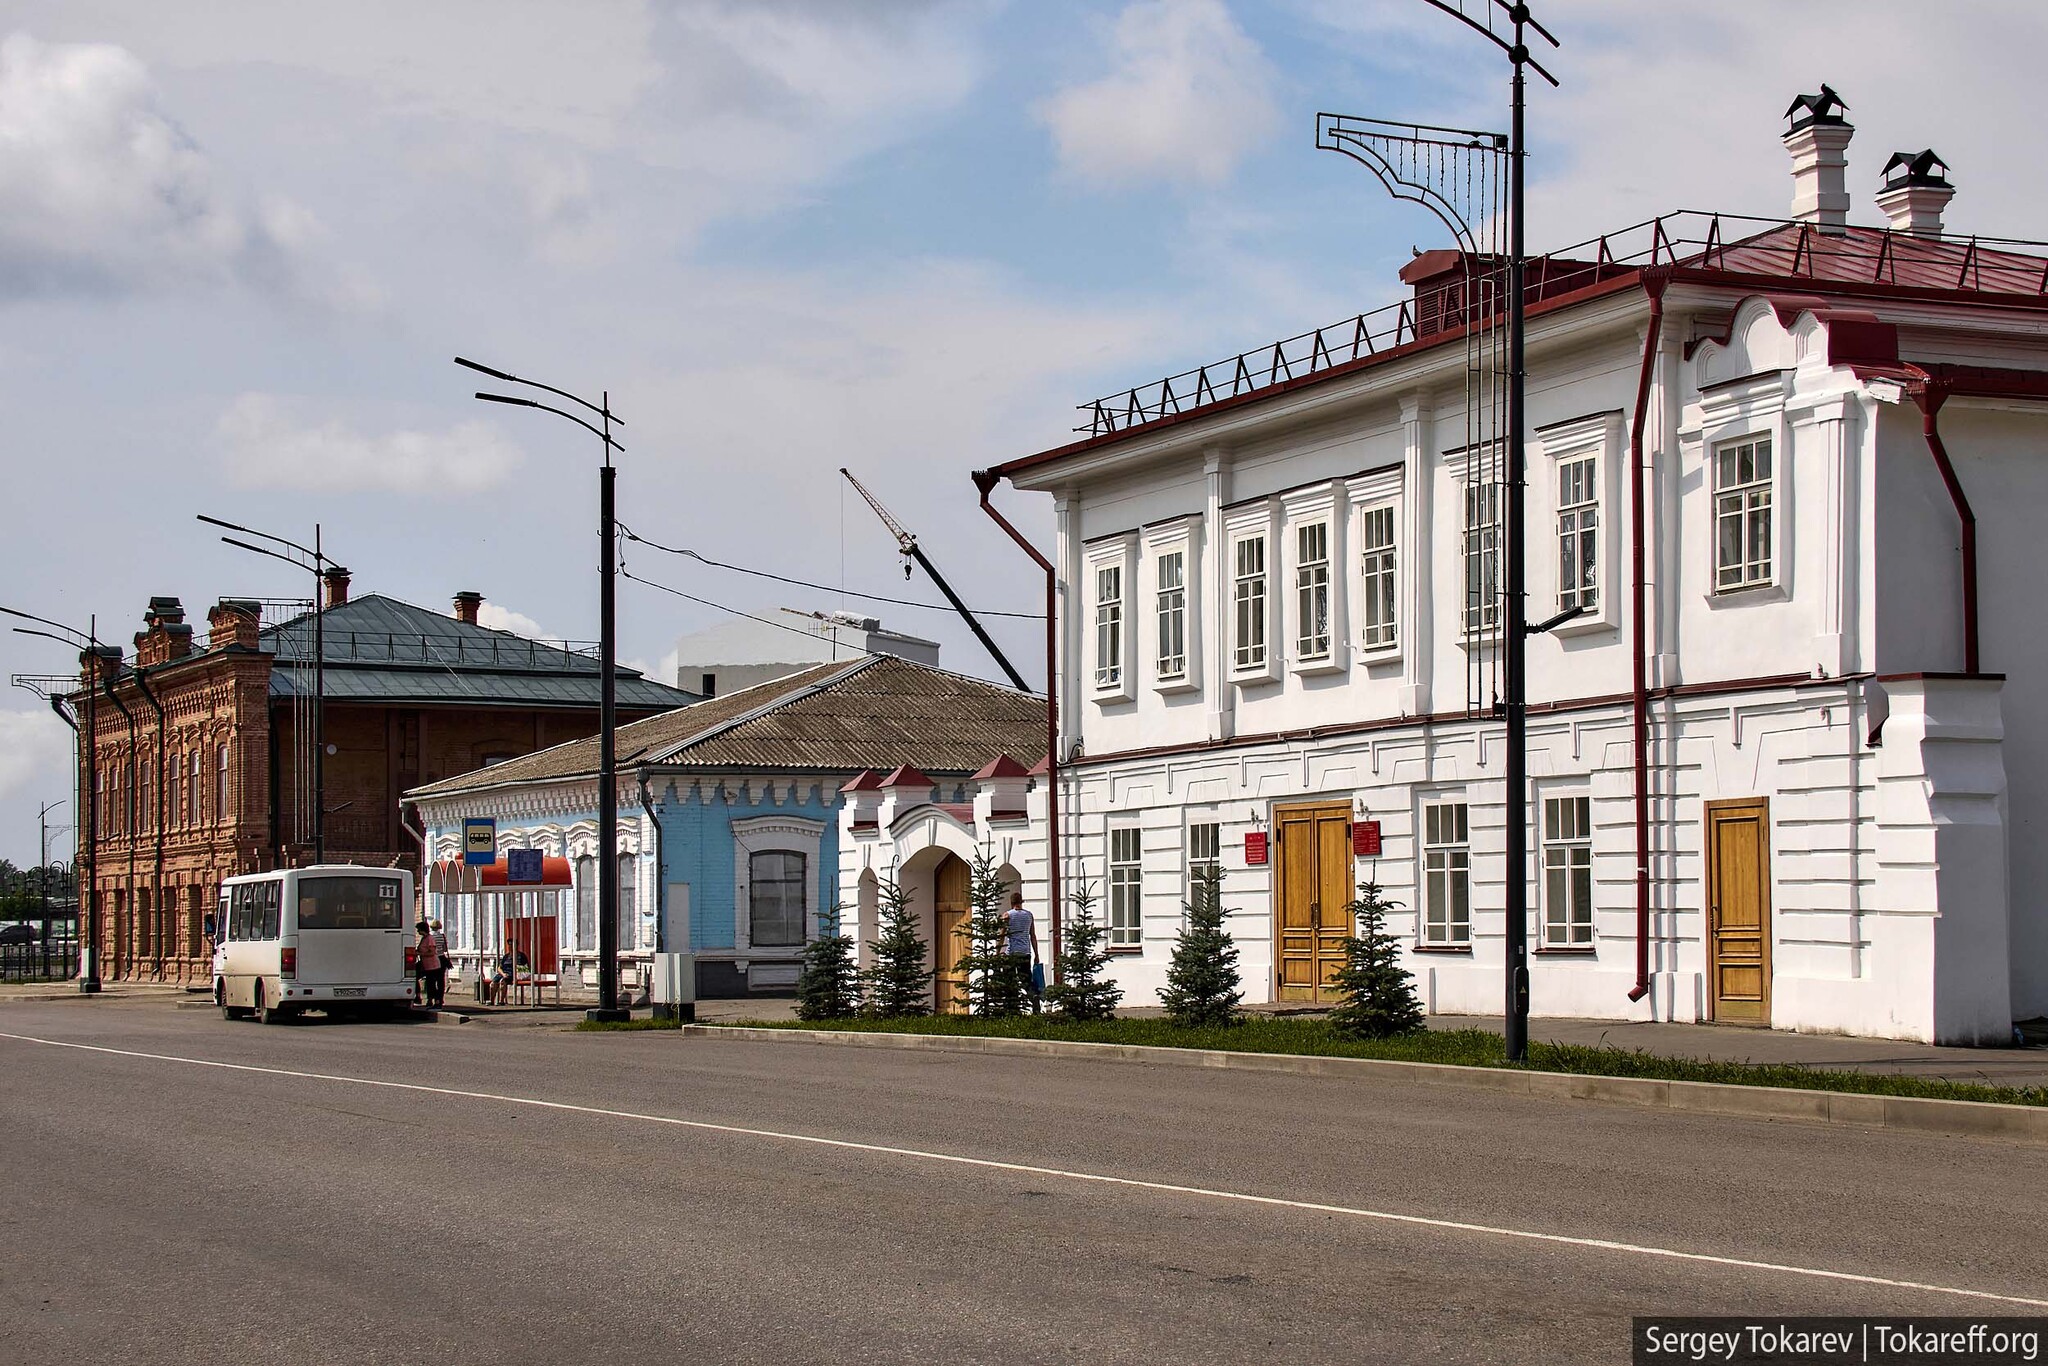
271 903
245 900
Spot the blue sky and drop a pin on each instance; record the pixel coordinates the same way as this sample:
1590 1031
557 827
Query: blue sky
239 243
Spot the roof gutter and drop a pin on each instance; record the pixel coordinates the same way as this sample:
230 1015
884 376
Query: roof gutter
1930 393
985 481
1639 634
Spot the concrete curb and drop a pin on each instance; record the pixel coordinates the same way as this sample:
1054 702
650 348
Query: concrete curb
1968 1118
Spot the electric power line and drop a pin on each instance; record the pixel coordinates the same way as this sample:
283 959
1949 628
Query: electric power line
626 573
631 535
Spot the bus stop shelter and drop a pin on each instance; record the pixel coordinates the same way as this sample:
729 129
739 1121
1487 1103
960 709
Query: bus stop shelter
498 917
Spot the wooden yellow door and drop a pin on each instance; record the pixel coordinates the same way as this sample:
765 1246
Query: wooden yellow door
1313 888
1739 911
949 934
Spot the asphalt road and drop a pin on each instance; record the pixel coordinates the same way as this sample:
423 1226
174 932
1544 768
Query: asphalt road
155 1210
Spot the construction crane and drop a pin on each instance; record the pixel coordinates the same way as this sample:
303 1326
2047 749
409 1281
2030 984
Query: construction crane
906 545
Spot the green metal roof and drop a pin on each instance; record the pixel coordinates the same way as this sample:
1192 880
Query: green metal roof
378 649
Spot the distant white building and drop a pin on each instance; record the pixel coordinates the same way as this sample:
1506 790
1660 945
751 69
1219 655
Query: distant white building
1788 765
743 652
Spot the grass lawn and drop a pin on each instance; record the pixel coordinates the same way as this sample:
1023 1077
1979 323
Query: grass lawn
1462 1047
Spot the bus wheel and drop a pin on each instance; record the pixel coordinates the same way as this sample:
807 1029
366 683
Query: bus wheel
269 1014
220 998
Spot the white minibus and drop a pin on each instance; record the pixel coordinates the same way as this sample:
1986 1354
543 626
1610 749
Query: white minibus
333 937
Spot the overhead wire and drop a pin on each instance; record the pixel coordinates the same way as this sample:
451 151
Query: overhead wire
632 535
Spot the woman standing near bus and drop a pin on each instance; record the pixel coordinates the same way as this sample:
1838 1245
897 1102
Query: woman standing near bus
432 967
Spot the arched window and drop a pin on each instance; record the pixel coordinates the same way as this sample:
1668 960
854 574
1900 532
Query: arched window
220 787
586 903
629 922
775 899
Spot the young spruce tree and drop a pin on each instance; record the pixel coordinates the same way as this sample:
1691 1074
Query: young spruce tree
1202 986
1379 994
898 983
1082 993
994 987
828 988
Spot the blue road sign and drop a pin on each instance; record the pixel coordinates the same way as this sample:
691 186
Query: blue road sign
479 840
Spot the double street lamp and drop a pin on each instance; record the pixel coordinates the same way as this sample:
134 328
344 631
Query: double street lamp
85 869
607 747
302 557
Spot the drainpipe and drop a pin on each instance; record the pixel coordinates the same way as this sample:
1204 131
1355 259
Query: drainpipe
157 895
1930 396
128 817
1639 633
985 481
660 869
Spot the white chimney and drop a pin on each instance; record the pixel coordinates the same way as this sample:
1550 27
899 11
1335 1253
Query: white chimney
1915 191
1818 138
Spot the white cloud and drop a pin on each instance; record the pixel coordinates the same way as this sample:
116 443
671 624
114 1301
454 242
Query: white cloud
518 623
34 747
266 443
100 190
1191 96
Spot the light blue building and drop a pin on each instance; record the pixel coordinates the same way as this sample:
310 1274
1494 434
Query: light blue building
728 819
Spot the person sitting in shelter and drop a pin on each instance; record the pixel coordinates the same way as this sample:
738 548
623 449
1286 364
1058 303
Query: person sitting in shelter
501 979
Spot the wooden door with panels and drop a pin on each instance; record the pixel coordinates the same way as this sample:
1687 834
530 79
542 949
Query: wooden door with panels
951 911
1313 890
1739 910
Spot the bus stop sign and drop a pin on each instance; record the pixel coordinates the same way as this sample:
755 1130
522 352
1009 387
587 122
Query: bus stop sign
479 840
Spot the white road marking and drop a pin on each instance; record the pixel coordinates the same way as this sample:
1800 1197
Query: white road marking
1097 1178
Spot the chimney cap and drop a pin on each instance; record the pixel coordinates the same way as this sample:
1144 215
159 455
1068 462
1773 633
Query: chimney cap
1826 107
1908 170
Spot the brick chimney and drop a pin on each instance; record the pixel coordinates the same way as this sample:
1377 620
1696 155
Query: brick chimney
1818 136
466 605
166 638
103 663
1915 191
336 579
235 622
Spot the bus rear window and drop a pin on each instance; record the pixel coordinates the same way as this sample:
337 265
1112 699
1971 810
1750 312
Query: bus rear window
350 903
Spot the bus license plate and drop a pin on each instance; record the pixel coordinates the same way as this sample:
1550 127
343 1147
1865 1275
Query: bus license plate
351 991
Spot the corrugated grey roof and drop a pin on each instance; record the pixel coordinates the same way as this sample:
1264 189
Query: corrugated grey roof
380 649
874 713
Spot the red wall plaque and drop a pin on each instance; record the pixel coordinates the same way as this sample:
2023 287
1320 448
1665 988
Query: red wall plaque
1254 848
1365 839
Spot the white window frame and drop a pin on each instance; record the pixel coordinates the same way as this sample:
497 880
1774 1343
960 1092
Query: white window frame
1204 845
784 834
1314 636
1170 614
1109 627
1251 601
1579 560
1110 680
1444 823
1312 581
1747 498
1565 851
1125 889
1730 413
1180 536
1480 542
1379 580
1601 438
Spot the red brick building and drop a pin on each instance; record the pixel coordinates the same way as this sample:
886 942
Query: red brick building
205 757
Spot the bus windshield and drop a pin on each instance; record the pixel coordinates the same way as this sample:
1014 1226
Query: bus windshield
350 903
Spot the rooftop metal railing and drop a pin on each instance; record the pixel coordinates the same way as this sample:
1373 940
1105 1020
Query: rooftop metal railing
1735 243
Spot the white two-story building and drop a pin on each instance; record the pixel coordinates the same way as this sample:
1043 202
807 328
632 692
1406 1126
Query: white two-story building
1789 764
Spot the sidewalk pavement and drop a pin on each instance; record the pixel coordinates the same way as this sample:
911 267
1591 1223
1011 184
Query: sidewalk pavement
1833 1052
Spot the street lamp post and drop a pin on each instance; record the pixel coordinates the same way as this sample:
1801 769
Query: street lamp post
607 689
43 873
318 563
84 869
